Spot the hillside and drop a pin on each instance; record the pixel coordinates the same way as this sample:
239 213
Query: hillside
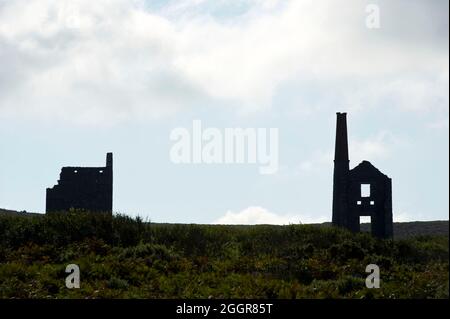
8 212
121 257
401 230
413 229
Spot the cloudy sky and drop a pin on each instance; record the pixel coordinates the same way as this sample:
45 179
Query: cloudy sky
81 78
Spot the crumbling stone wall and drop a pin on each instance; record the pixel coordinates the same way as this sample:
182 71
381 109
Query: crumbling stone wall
85 188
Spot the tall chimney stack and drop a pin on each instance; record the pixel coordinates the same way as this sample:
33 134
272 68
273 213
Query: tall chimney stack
341 171
341 147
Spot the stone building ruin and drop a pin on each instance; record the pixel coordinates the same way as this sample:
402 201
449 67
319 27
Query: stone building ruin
83 188
361 191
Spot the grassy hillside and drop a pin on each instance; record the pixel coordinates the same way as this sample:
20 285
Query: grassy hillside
120 257
16 213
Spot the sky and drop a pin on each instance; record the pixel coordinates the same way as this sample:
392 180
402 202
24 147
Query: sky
82 78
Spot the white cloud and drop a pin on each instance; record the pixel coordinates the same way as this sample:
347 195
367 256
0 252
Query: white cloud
404 217
380 146
439 124
89 61
400 217
255 215
316 163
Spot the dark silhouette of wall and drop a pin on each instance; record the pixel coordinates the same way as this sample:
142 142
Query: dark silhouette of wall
85 188
362 191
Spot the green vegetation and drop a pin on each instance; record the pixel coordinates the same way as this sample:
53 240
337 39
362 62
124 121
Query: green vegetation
121 257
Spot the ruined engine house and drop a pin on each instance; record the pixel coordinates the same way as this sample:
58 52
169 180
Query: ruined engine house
83 188
361 191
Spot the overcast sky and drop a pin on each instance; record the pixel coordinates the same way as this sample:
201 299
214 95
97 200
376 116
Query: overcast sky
81 78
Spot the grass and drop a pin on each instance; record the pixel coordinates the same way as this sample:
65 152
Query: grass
123 257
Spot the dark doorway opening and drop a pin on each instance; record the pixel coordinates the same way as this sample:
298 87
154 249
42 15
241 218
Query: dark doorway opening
365 224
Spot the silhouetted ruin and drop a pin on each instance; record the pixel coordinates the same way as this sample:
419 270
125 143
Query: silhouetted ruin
361 191
84 188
